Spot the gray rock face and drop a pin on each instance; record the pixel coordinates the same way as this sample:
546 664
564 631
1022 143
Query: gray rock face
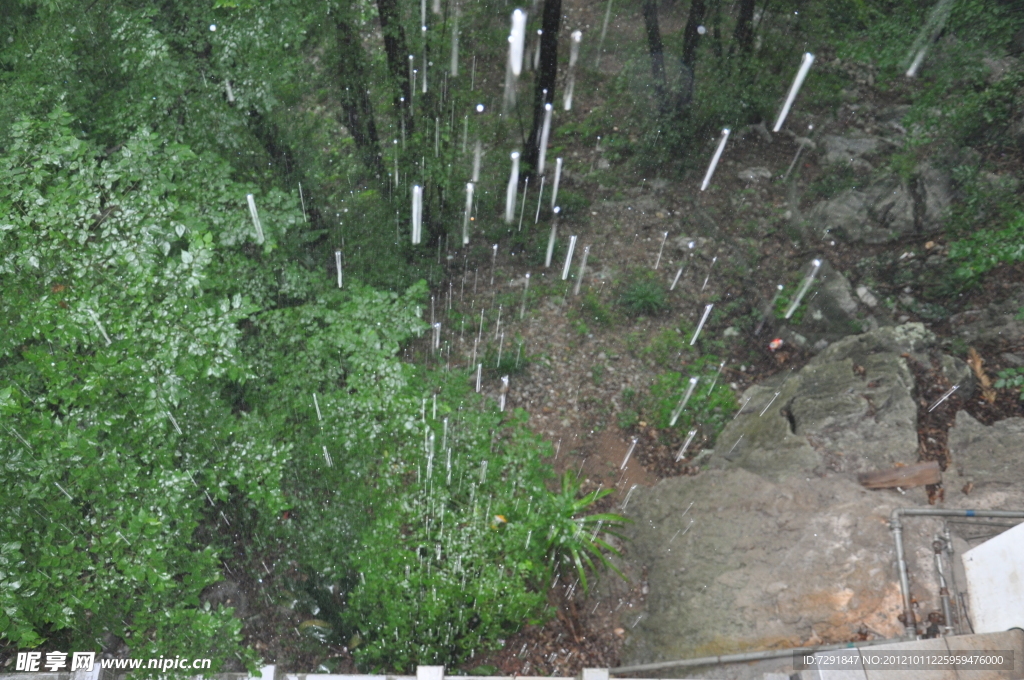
836 149
886 210
996 322
991 457
850 409
756 564
833 312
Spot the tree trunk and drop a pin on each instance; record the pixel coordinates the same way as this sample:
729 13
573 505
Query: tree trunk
744 33
397 53
657 50
355 98
691 37
544 84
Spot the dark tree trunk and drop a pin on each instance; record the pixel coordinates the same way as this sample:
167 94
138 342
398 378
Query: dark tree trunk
397 53
544 84
690 36
355 98
657 50
744 33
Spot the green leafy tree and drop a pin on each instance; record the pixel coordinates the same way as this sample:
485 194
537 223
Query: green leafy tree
115 437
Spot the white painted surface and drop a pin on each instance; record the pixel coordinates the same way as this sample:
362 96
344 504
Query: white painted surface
995 582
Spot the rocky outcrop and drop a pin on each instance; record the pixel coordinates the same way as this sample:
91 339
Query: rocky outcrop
850 409
756 564
778 545
833 312
885 210
990 459
1001 321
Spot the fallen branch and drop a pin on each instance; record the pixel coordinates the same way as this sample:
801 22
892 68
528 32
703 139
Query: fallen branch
918 474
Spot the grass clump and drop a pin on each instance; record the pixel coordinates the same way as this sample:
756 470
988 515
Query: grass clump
642 294
709 408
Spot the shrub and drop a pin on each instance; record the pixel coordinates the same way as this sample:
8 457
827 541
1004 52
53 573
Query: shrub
709 407
643 294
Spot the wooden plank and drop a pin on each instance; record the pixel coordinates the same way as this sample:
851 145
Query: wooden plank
918 474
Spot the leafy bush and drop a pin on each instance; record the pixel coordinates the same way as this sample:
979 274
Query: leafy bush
642 293
115 346
593 309
666 347
988 248
1011 378
709 408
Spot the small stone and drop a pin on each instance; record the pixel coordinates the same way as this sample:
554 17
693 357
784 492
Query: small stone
929 245
754 174
866 297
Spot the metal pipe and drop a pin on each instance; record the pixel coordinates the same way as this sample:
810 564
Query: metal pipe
746 656
960 615
901 564
939 546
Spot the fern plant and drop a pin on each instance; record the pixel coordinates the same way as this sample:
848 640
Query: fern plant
573 539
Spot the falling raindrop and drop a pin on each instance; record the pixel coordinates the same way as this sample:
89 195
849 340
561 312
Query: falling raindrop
707 311
804 288
466 217
526 288
676 279
682 403
686 444
513 187
708 277
544 135
255 217
477 153
583 268
629 453
568 258
501 406
714 159
551 239
944 397
805 66
417 214
337 265
554 188
660 250
626 499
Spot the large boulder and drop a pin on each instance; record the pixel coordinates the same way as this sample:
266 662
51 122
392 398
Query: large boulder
885 210
850 409
990 458
737 562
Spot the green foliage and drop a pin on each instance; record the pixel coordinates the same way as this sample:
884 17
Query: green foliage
833 182
666 348
116 340
594 310
447 566
710 406
512 361
986 249
784 301
572 204
642 293
627 419
569 540
1012 378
